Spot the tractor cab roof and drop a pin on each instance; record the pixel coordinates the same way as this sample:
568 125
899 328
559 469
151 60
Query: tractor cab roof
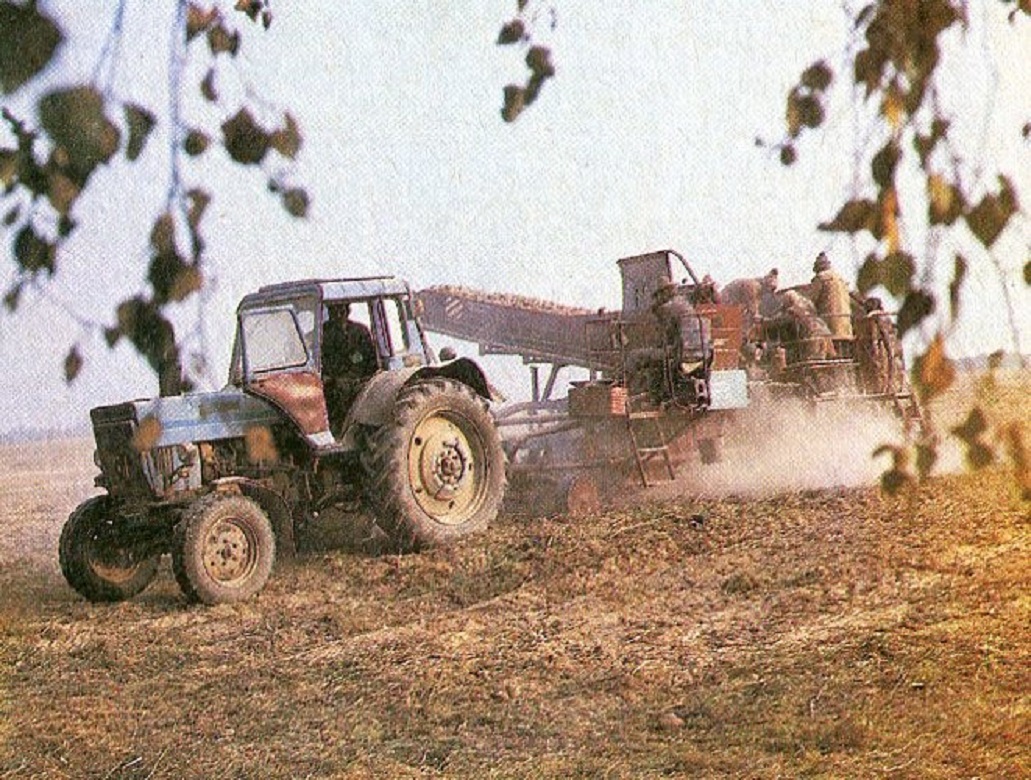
327 290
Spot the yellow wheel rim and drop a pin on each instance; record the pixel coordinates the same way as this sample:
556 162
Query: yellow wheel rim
446 468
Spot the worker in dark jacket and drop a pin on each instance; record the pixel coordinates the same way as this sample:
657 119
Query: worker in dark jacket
348 358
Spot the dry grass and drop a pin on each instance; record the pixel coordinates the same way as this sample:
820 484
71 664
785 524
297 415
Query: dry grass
811 633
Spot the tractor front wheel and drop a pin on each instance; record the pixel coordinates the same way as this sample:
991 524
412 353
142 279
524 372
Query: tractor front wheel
95 558
436 472
223 549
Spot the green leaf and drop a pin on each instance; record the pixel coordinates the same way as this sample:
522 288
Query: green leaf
65 226
28 42
926 457
1027 273
221 41
162 235
513 32
199 19
252 8
989 218
12 296
970 432
515 102
897 477
959 275
538 60
199 200
9 164
140 122
854 216
295 201
869 274
817 76
287 140
915 308
74 119
925 144
207 86
61 190
72 365
897 273
867 69
32 253
196 143
971 428
894 481
249 7
884 163
246 142
150 332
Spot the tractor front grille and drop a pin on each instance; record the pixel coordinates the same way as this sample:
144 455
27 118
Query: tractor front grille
124 468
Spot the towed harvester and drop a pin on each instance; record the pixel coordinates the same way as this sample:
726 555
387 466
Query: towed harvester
665 373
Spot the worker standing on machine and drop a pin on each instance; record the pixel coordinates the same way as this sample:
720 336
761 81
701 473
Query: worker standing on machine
834 306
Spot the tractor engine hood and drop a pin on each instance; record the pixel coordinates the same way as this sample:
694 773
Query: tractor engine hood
190 418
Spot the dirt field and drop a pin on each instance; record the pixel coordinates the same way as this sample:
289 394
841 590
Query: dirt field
808 632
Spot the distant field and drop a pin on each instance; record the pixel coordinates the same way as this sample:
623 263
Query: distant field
809 630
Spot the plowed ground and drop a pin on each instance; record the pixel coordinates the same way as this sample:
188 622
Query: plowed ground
806 633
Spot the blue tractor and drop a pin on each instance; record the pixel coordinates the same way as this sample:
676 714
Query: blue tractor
334 398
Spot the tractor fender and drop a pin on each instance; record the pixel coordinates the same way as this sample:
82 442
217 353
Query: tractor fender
375 402
273 504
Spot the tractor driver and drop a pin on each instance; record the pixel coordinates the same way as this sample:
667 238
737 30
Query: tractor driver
348 358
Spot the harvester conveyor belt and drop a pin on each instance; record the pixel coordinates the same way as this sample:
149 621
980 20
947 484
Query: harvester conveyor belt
538 331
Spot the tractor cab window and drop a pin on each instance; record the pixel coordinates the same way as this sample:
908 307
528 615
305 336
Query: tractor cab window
272 340
395 320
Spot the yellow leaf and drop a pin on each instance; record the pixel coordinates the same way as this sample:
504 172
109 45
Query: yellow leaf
889 219
941 193
61 191
147 434
935 371
893 109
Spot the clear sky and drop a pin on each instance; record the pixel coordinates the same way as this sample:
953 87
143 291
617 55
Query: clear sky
644 140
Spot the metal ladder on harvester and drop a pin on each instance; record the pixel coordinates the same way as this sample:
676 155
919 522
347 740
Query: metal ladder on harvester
606 342
649 442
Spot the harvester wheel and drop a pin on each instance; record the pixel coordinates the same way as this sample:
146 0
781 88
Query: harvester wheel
96 563
436 471
223 549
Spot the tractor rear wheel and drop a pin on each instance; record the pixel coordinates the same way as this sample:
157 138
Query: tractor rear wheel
95 561
223 549
436 471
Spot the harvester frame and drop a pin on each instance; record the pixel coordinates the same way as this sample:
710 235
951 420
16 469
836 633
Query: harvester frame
644 411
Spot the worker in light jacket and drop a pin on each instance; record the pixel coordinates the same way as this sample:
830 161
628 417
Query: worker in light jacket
829 293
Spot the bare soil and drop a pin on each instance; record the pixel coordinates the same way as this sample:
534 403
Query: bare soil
804 632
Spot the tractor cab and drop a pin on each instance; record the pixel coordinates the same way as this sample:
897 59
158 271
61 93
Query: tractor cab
311 348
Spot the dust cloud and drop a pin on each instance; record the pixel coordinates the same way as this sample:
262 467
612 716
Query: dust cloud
791 445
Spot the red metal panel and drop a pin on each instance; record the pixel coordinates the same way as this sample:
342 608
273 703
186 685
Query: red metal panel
299 395
728 332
